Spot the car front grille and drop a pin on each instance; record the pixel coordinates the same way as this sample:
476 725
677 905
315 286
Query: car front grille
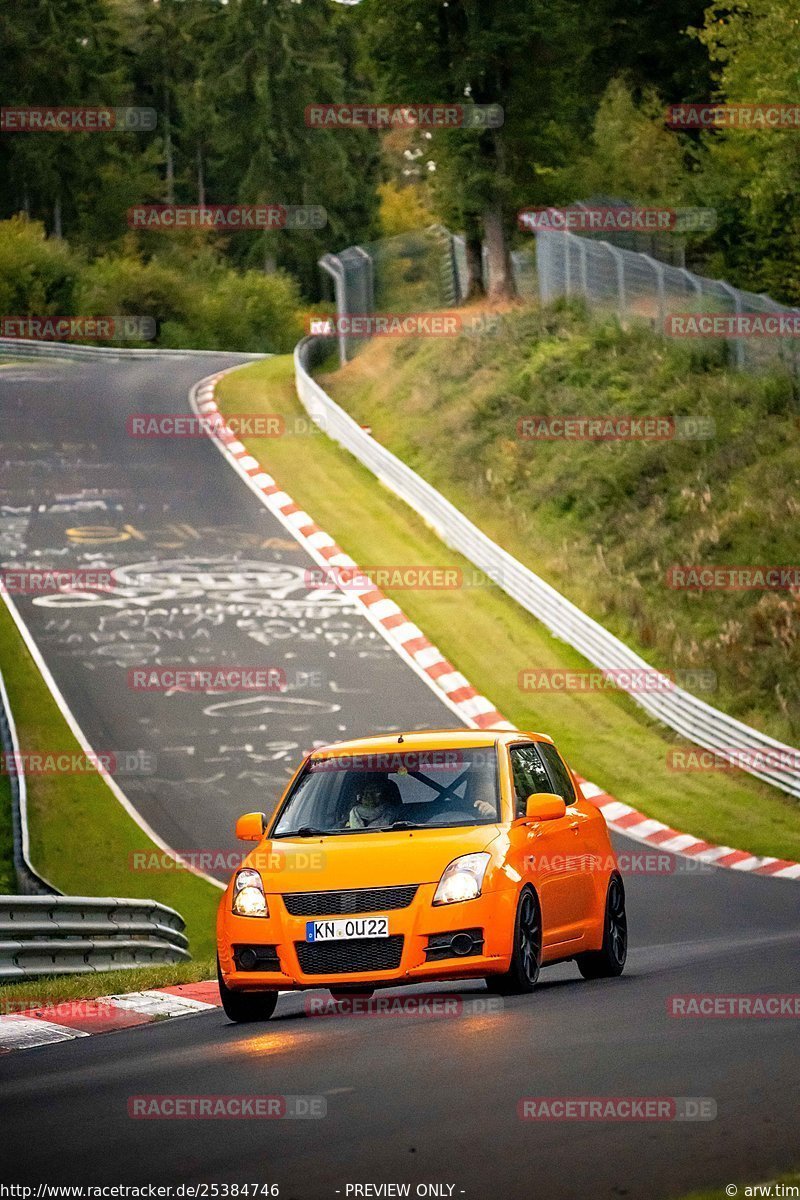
349 957
365 900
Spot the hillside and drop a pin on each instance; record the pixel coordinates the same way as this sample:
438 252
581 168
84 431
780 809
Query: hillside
605 521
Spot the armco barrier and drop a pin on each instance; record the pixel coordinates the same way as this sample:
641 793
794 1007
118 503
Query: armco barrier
29 881
45 933
678 709
71 935
27 348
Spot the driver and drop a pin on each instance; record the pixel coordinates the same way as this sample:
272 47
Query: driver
376 804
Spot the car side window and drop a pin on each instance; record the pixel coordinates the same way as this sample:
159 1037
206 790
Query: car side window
529 775
559 775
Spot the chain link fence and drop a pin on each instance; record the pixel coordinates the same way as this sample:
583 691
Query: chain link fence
414 272
635 284
636 275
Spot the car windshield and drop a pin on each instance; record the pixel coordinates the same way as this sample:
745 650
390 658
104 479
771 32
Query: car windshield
370 793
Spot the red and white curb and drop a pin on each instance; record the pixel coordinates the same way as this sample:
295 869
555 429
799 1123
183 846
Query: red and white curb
70 1019
403 635
625 819
410 642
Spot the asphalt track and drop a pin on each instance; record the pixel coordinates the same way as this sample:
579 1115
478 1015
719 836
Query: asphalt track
206 577
410 1099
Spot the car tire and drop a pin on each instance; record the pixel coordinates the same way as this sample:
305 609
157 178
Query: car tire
526 957
609 961
245 1006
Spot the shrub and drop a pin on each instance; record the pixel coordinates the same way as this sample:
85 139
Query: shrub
37 273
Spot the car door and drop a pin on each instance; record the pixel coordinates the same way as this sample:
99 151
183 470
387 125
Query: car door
550 861
584 861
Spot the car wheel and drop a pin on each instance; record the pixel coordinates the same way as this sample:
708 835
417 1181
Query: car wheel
526 957
609 961
245 1006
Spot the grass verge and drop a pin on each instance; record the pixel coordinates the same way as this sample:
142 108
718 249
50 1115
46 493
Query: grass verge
16 997
82 839
490 638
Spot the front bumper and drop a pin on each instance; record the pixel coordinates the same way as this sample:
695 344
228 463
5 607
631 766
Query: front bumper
492 913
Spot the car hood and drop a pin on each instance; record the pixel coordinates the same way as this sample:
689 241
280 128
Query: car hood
364 860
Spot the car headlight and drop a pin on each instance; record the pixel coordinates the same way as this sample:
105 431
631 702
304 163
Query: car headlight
248 895
462 879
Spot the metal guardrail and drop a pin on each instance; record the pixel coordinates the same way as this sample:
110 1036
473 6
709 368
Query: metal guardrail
29 881
45 933
75 935
687 715
24 348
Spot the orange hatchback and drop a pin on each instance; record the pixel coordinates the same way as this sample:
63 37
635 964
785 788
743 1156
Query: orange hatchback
397 859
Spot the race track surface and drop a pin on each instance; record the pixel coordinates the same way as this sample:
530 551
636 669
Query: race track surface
206 577
410 1099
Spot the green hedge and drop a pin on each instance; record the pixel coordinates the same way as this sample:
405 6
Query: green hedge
196 301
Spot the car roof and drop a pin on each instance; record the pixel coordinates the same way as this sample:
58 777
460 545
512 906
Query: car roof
426 739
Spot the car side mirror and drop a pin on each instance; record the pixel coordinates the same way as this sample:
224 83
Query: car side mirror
250 827
545 806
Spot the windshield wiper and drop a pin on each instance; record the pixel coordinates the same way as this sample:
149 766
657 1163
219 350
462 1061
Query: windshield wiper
403 825
304 831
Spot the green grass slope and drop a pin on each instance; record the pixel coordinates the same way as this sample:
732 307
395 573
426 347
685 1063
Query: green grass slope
604 521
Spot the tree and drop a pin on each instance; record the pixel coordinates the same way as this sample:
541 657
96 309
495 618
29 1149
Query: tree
631 153
64 53
268 62
520 55
650 46
752 176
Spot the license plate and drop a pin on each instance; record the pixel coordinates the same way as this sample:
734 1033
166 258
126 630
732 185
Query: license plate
353 927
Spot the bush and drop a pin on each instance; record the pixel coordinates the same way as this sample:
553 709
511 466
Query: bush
37 274
196 302
251 312
128 287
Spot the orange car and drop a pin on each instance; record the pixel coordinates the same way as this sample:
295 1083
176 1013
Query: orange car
398 859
